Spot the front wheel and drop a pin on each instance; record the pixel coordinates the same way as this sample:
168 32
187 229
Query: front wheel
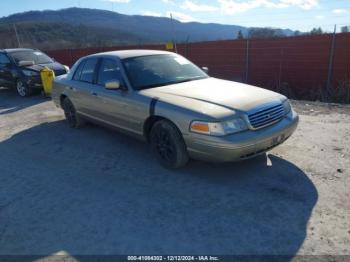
167 145
23 89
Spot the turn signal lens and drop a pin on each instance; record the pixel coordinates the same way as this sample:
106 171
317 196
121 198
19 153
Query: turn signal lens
200 127
218 128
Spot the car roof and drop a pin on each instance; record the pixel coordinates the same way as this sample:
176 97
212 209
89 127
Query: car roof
11 50
132 53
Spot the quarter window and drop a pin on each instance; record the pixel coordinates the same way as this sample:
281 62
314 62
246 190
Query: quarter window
109 71
87 73
77 72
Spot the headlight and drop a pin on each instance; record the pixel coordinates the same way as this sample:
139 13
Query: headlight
66 67
219 128
30 73
287 107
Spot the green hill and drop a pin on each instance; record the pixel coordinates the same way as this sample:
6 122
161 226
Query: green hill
81 27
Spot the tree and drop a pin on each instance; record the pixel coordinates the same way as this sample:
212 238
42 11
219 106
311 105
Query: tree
316 31
345 29
265 33
240 35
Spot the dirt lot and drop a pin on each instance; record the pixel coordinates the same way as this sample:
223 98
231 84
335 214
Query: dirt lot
94 191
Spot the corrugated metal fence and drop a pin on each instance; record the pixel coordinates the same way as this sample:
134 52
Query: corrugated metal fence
296 66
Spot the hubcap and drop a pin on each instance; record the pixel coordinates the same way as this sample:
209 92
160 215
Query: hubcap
21 89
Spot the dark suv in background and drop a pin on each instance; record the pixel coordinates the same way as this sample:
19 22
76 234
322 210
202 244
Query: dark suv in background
20 68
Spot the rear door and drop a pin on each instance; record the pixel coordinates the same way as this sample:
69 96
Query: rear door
82 90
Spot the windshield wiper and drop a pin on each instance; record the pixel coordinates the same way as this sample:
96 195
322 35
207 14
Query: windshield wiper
190 79
154 85
172 82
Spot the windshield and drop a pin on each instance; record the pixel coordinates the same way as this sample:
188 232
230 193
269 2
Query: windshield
160 70
36 57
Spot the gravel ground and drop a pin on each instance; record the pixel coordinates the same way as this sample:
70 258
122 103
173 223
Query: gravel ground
94 191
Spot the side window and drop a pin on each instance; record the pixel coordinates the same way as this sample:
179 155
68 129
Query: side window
4 60
109 71
77 72
87 73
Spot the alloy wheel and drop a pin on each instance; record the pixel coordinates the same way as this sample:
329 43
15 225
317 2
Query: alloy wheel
21 89
164 146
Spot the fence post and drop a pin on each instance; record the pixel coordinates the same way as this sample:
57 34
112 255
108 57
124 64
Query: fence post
71 56
280 69
186 52
330 66
187 44
247 62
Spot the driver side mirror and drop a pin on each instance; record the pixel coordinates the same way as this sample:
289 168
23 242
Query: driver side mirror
205 69
114 85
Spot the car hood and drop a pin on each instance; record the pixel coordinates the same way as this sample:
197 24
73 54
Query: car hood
53 66
222 93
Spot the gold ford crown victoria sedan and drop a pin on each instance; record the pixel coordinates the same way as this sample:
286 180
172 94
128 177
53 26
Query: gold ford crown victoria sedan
164 99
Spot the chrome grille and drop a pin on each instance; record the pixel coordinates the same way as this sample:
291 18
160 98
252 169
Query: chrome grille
266 116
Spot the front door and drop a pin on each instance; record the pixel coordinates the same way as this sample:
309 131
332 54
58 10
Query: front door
112 104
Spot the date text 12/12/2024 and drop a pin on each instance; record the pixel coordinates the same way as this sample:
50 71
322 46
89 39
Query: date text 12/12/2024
173 258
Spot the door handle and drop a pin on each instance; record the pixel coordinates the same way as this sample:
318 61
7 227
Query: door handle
93 93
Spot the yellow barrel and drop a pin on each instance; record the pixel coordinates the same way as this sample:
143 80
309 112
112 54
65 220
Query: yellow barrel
47 77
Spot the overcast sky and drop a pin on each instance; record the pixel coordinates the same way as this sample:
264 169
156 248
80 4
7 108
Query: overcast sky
295 14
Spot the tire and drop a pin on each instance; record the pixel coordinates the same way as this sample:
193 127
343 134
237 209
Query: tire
168 145
23 89
73 119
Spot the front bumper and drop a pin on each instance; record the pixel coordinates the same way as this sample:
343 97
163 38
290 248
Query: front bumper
242 145
34 82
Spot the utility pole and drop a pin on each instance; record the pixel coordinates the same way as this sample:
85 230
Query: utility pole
330 66
173 31
18 42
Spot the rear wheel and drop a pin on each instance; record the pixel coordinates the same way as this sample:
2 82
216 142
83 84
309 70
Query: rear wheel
23 89
73 119
167 145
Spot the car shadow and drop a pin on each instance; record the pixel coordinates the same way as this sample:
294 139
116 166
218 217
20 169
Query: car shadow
11 102
94 191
